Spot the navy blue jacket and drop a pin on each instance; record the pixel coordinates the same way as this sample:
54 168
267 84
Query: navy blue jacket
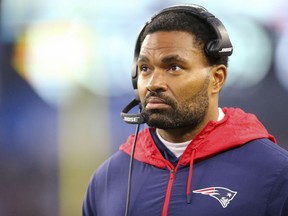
232 167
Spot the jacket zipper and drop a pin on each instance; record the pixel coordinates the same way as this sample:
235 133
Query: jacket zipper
168 191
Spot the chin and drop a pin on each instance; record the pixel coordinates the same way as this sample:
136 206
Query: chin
158 123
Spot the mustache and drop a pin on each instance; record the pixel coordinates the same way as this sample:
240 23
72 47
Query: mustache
160 96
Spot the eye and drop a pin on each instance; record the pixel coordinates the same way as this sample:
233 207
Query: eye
174 68
144 68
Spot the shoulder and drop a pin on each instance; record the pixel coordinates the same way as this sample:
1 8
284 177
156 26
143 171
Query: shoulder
264 156
272 165
112 172
274 161
258 158
115 168
264 148
115 164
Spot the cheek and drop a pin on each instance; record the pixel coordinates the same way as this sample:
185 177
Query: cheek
190 88
183 94
186 87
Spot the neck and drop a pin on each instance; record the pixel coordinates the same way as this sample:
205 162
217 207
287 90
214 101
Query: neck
178 135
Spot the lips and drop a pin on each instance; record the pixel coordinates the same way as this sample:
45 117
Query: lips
155 103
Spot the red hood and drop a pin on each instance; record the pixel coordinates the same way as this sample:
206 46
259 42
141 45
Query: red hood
236 129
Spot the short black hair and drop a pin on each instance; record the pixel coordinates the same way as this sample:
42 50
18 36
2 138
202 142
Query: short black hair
187 22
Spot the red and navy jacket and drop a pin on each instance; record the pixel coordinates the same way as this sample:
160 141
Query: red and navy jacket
232 167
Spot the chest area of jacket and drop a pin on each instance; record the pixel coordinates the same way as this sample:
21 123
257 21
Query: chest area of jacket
219 187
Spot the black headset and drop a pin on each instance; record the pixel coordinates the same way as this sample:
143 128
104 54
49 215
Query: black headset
221 46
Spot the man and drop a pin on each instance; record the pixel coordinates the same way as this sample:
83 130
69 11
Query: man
195 158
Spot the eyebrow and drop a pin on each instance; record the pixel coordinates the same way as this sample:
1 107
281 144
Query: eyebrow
142 58
165 60
173 58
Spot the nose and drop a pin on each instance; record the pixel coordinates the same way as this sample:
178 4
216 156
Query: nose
157 82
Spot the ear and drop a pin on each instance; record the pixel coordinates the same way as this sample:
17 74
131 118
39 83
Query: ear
219 74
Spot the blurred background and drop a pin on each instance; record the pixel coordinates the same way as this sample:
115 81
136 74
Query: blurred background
65 76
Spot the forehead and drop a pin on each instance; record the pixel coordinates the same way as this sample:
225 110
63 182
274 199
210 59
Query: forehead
172 42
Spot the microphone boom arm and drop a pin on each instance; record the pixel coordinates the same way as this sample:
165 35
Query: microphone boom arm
140 118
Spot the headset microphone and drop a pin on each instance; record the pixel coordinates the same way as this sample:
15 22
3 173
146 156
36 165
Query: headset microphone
139 118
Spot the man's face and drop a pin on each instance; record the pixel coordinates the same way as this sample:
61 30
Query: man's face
173 81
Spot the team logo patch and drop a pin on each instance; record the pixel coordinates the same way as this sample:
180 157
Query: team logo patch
223 195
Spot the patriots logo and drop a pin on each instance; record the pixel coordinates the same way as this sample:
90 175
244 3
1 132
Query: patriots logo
223 195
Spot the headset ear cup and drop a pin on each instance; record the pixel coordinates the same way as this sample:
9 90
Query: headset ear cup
212 48
136 93
134 81
134 75
135 66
